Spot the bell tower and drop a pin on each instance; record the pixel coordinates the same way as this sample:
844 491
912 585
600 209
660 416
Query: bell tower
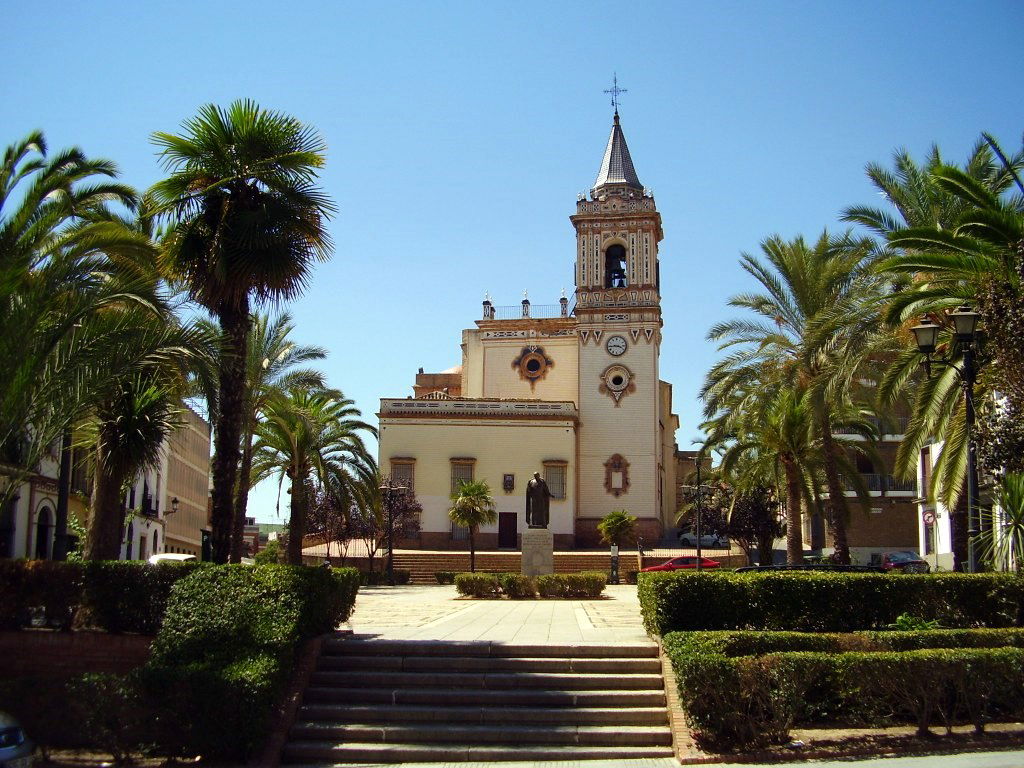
618 314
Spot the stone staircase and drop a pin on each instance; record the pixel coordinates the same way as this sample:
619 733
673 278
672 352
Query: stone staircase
393 701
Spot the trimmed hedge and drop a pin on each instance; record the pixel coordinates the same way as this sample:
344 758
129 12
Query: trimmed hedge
445 577
589 584
126 596
477 584
114 596
747 689
227 647
826 602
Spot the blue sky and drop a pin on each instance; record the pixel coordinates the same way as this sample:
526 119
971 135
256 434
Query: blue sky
460 133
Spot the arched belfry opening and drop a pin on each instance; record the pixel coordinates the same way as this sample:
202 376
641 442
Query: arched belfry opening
615 267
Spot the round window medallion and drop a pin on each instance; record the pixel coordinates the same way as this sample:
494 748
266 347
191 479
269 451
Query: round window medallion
533 365
616 381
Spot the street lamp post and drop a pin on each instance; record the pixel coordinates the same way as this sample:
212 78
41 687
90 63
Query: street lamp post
700 551
388 489
965 323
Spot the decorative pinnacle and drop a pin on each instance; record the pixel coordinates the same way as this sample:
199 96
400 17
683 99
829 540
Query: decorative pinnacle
615 91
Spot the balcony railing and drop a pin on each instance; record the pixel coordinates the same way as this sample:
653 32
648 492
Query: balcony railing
516 311
887 483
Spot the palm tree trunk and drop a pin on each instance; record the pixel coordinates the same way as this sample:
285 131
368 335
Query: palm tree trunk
835 508
234 321
794 530
764 549
241 497
297 521
472 551
106 516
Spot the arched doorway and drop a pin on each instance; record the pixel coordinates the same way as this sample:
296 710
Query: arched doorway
44 533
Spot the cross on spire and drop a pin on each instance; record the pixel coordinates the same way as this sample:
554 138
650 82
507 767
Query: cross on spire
615 91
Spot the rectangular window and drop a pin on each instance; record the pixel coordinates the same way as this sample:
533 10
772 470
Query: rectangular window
403 473
555 474
462 472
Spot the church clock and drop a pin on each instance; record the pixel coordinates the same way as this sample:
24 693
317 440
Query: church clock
616 346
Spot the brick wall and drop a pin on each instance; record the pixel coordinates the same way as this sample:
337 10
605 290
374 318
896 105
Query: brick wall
69 654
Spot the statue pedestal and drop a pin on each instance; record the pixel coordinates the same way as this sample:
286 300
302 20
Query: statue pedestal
538 552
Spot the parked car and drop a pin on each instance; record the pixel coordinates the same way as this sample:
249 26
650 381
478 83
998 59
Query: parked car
904 561
171 557
16 748
709 540
683 563
835 568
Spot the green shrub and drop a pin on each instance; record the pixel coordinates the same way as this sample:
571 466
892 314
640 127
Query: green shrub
445 577
227 645
747 689
129 596
110 709
585 584
39 590
379 578
476 584
114 596
517 586
826 602
551 585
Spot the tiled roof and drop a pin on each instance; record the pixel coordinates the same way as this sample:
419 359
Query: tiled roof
617 165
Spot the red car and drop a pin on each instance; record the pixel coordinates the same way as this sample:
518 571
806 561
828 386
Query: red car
683 563
905 562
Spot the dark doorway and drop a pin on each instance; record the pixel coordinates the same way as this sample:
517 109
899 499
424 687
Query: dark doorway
507 530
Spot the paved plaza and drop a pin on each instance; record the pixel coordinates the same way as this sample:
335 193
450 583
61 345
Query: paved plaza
435 612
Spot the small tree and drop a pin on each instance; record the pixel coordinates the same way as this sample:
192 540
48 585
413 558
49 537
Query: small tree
473 506
271 554
749 517
617 527
366 525
328 518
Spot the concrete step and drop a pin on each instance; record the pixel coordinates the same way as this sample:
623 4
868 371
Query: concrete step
488 663
338 646
342 713
354 752
483 697
491 681
500 734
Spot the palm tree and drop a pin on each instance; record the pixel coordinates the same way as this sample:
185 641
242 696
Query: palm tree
472 506
977 258
130 420
64 260
618 527
313 439
270 369
799 337
920 202
247 224
768 432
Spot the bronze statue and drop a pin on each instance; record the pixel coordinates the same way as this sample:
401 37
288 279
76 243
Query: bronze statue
537 495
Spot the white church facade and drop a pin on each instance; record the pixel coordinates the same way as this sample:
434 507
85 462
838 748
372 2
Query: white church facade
572 393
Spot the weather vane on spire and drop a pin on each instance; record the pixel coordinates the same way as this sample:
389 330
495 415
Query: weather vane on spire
615 91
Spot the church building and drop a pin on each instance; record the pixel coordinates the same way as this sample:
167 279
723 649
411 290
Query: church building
572 392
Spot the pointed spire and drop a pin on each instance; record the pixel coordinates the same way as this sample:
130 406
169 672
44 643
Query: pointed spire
617 165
